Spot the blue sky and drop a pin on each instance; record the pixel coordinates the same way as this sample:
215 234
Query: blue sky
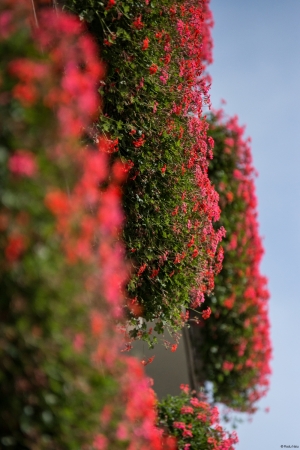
257 71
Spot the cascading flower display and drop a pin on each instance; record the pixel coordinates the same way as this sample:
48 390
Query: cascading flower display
234 345
64 382
156 54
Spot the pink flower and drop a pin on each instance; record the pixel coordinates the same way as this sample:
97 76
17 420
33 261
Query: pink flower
227 365
187 410
187 433
122 432
195 402
185 388
23 163
214 415
78 342
179 425
100 442
211 142
164 77
202 417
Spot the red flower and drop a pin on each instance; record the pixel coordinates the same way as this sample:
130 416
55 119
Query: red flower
57 202
154 273
177 258
110 4
229 196
164 168
149 361
142 269
120 170
206 313
153 69
145 44
26 93
137 23
108 145
139 142
174 348
212 440
167 58
195 253
128 165
229 302
175 212
192 241
97 323
15 247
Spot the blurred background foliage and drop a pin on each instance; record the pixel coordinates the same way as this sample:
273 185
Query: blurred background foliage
232 349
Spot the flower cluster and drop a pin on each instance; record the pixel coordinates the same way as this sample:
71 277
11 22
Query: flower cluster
194 422
235 342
